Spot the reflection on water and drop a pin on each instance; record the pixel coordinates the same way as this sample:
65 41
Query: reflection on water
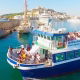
25 38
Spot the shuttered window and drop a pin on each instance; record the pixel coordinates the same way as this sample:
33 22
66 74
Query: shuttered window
70 55
77 53
59 57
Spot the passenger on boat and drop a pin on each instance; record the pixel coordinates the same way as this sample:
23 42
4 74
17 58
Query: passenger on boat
23 49
22 55
18 52
78 34
28 47
32 60
10 50
20 60
37 58
71 36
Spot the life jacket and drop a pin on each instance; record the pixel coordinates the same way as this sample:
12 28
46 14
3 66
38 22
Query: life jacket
24 55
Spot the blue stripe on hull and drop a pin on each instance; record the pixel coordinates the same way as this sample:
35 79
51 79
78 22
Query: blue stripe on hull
23 65
52 71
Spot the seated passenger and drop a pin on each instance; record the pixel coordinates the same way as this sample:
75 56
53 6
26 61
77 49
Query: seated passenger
32 58
78 34
28 48
10 50
20 59
37 58
22 55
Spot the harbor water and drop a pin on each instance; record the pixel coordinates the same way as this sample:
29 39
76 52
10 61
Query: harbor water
7 72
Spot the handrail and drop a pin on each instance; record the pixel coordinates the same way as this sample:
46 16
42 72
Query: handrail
13 57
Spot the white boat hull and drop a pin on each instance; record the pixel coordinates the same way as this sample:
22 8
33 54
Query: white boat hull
24 29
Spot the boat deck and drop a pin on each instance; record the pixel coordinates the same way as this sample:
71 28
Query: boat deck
28 59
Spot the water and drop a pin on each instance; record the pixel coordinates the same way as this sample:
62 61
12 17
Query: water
15 40
6 71
3 20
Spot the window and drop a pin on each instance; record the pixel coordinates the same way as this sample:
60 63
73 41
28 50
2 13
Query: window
59 38
60 43
48 37
35 38
44 36
70 55
59 57
41 51
77 53
52 38
39 35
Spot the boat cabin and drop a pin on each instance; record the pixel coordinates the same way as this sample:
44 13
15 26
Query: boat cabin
50 41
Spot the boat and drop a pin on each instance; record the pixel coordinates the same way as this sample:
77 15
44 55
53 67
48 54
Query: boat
25 26
45 18
53 53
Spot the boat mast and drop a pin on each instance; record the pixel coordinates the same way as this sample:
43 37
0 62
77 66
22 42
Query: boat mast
25 20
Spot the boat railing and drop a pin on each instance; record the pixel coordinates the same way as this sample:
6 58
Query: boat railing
13 56
28 60
25 61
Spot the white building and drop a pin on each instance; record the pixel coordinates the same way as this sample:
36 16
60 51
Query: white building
18 17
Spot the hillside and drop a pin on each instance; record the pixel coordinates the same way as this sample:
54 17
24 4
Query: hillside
39 10
11 15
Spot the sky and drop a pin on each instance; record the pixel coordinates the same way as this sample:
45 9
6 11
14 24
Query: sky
71 7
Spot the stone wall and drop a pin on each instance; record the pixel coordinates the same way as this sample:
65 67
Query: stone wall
9 25
5 33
